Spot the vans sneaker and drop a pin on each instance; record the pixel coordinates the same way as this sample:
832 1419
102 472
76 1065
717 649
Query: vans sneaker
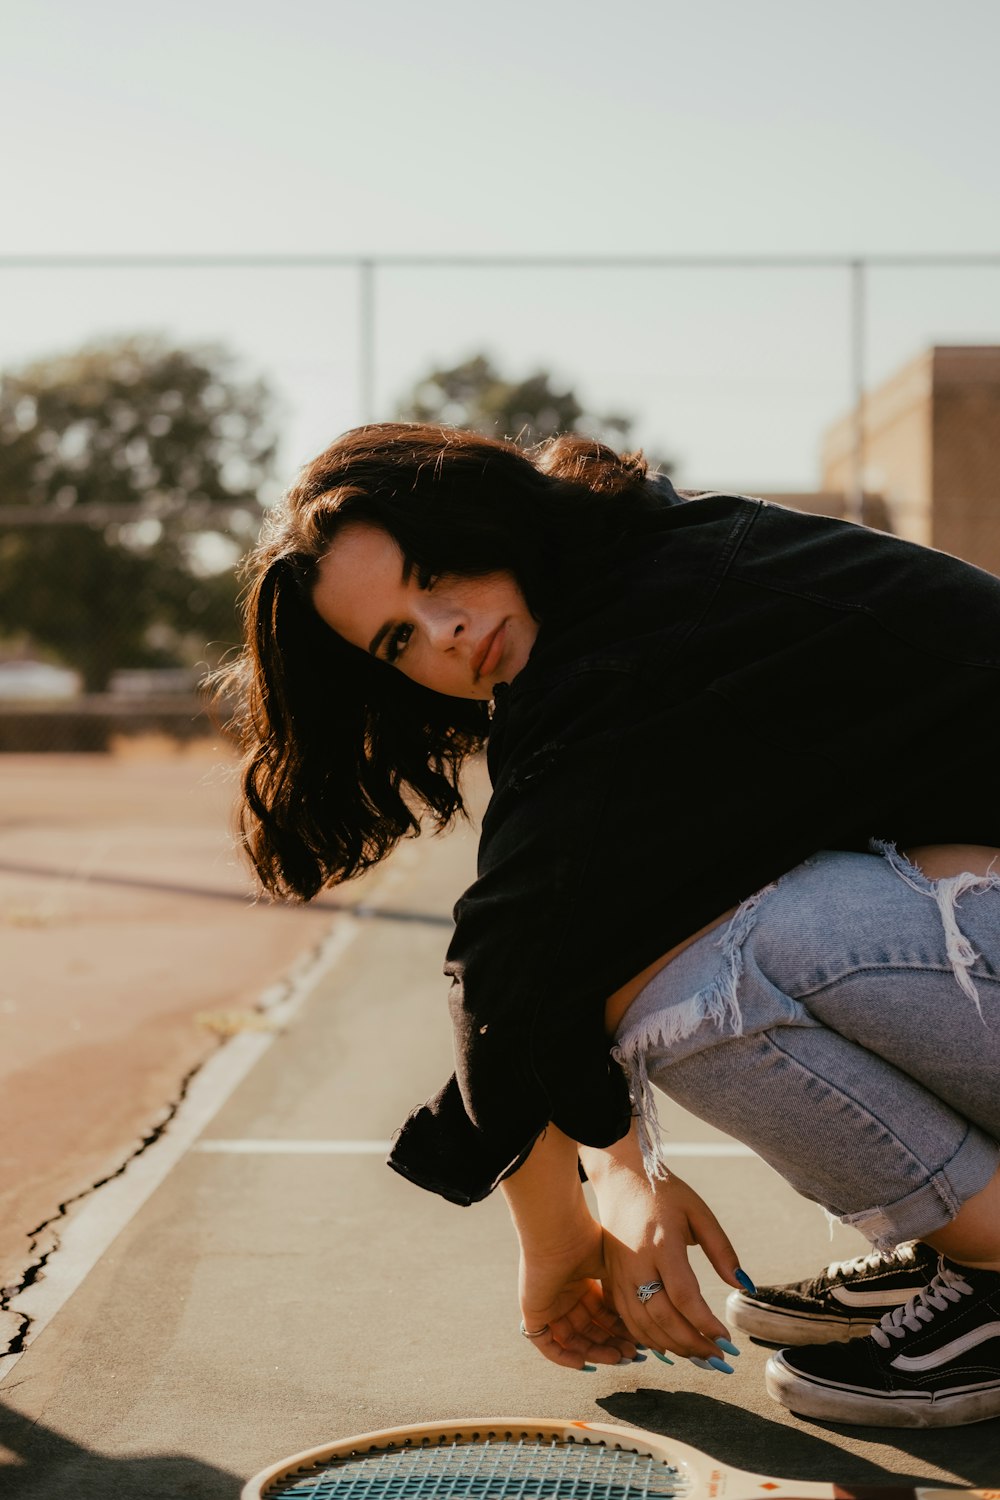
841 1303
935 1362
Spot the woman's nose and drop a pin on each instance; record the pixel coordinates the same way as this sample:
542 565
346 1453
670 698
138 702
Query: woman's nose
444 627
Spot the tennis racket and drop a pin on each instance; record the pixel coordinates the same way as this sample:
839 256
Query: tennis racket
516 1459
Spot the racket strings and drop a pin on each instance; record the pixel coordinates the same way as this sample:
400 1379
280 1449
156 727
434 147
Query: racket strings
488 1469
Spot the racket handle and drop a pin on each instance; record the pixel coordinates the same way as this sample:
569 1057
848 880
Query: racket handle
908 1492
924 1492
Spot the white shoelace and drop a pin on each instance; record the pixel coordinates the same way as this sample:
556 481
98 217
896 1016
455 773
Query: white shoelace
947 1287
872 1261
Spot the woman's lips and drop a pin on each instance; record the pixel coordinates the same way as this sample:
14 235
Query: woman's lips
488 656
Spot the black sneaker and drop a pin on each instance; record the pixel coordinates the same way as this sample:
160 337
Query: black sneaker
934 1362
841 1303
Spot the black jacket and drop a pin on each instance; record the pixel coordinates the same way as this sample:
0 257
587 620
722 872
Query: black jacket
747 685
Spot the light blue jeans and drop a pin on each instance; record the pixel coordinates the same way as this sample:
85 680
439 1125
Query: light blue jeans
845 1024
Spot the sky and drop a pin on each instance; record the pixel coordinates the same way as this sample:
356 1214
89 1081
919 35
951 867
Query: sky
540 127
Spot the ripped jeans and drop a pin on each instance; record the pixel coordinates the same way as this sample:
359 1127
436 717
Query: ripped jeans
846 1026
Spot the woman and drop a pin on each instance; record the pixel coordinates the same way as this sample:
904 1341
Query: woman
740 846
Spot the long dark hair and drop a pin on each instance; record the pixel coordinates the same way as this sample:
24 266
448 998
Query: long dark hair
343 755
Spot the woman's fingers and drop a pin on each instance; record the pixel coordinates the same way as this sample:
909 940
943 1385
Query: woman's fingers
683 1303
604 1314
687 1329
575 1359
574 1350
589 1331
677 1318
715 1242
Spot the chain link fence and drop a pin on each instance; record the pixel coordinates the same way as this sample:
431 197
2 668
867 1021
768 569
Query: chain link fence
865 388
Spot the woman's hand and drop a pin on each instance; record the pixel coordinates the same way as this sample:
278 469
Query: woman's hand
647 1230
561 1296
561 1264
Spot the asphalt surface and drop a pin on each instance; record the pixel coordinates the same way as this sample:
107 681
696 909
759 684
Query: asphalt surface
129 946
262 1301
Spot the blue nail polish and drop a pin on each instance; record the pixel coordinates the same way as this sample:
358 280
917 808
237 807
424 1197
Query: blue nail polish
725 1344
745 1282
589 1369
638 1359
664 1358
720 1365
702 1364
641 1348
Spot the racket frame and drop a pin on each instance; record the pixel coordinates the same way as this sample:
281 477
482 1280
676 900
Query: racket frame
701 1476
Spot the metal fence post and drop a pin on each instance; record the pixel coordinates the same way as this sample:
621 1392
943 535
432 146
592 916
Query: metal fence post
366 276
854 499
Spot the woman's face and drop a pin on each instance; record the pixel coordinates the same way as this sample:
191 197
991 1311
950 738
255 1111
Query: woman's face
458 636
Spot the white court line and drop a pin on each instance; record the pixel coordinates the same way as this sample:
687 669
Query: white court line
90 1229
295 1148
382 1148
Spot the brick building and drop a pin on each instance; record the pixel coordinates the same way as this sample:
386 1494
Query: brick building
932 452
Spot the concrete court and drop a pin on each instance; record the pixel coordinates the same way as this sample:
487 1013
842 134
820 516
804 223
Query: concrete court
128 947
257 1304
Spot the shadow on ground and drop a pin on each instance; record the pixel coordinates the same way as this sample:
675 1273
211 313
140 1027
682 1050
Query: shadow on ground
51 1465
971 1453
751 1442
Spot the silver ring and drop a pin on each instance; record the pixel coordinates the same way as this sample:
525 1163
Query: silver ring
649 1289
537 1333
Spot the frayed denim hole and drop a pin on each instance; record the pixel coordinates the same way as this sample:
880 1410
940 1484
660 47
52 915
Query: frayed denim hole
945 892
717 1004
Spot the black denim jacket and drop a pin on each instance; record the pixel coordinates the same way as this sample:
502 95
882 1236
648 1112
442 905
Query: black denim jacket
747 685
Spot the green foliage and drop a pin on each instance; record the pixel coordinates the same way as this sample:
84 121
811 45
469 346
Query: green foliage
137 423
474 395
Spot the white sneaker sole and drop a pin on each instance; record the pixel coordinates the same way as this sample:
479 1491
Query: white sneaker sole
830 1403
776 1327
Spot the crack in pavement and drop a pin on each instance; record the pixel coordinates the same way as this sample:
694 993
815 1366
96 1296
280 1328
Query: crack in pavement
36 1269
209 893
273 999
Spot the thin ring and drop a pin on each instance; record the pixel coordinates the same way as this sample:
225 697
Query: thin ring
649 1289
536 1335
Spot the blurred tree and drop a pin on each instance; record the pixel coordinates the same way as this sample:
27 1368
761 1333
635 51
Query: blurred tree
476 396
141 468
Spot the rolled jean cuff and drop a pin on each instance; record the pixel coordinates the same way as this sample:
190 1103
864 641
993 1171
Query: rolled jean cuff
936 1202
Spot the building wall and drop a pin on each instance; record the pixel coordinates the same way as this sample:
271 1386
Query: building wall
932 448
898 444
966 454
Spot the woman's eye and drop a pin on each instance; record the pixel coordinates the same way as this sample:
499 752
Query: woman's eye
396 643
